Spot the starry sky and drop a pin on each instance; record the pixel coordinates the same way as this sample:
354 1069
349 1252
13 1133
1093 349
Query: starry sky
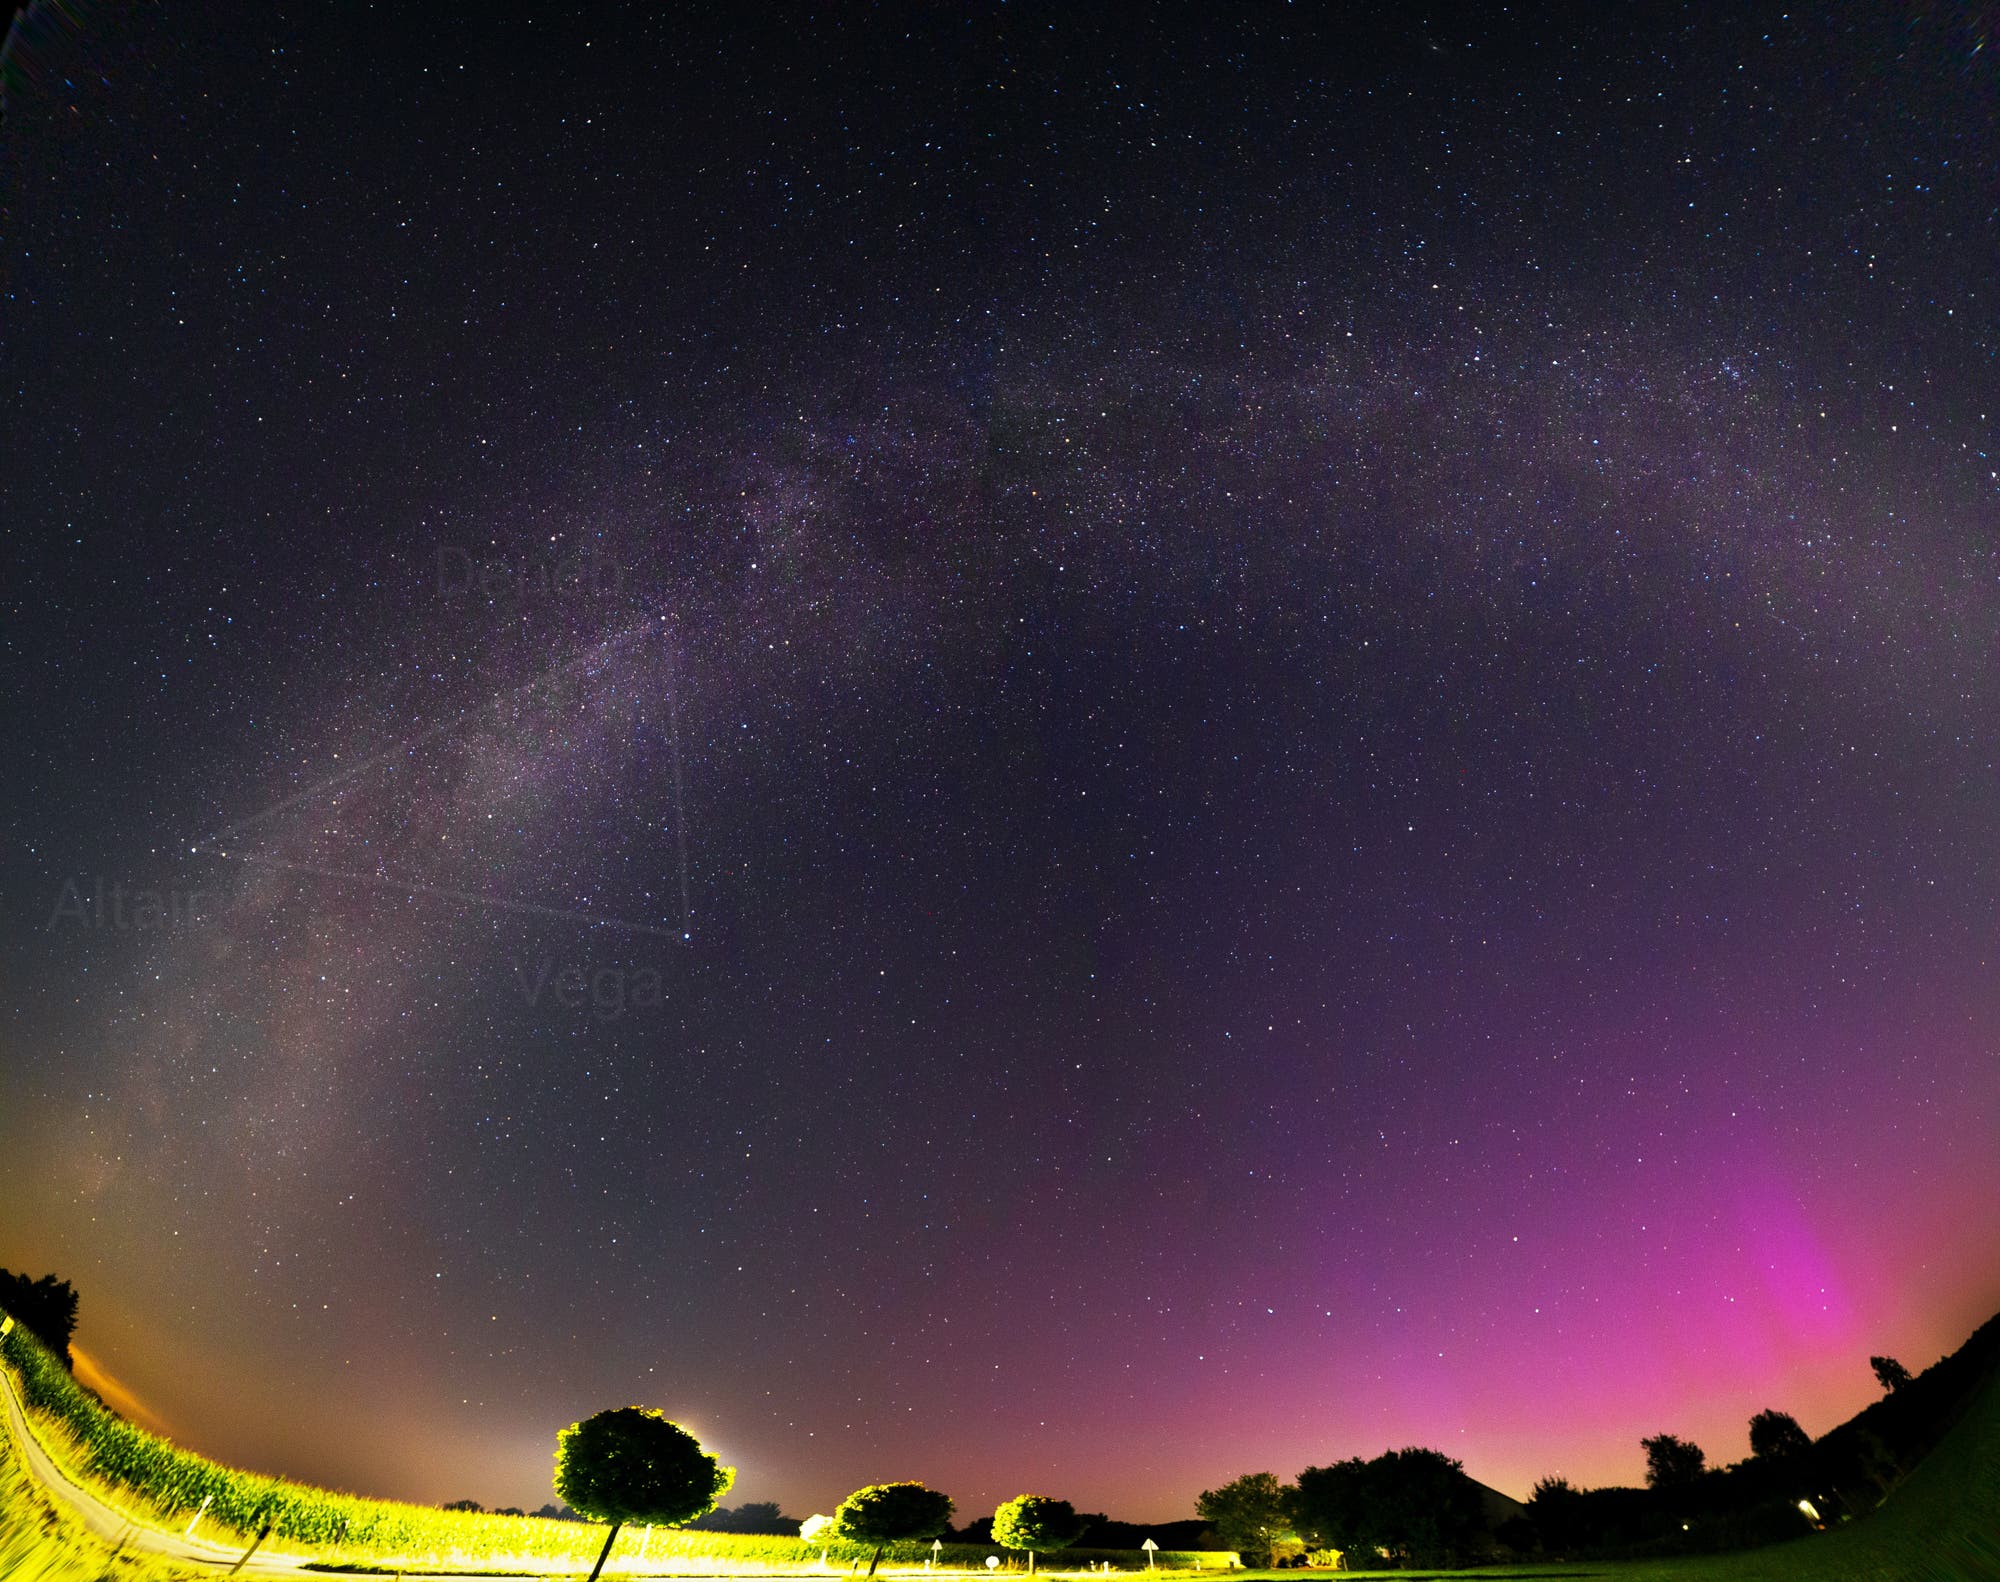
1018 745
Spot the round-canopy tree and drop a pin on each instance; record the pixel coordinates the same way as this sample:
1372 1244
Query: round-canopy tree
631 1465
1775 1436
1034 1521
888 1513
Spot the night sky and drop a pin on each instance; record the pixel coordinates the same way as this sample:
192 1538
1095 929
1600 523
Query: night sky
1032 748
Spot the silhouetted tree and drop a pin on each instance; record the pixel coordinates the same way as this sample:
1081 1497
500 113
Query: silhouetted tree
1034 1521
1672 1463
1556 1509
1416 1504
1331 1507
1251 1515
465 1505
1777 1435
1431 1509
632 1465
46 1308
756 1516
888 1513
1889 1373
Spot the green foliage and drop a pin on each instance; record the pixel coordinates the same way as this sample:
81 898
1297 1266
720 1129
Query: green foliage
1251 1514
47 1306
1034 1521
1416 1505
886 1513
1776 1435
1672 1463
630 1464
1889 1373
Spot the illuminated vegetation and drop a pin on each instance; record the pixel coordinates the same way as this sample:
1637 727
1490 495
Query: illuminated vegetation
159 1482
42 1542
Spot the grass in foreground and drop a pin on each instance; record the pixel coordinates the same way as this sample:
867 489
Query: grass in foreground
40 1542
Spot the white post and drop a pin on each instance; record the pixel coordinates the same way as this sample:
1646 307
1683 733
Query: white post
197 1515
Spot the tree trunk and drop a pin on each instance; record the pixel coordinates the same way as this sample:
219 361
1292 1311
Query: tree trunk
1031 1562
604 1554
263 1533
877 1560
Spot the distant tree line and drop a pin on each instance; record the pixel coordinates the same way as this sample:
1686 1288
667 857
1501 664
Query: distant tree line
758 1516
1790 1483
1405 1507
1096 1530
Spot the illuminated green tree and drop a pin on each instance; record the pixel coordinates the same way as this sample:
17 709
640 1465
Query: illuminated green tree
889 1513
1034 1521
1251 1515
632 1465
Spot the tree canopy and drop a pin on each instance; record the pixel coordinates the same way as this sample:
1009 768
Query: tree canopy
1034 1521
630 1464
1776 1435
1251 1514
1889 1373
1416 1505
1672 1463
46 1308
887 1513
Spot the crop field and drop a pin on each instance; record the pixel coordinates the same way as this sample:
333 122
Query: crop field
160 1483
